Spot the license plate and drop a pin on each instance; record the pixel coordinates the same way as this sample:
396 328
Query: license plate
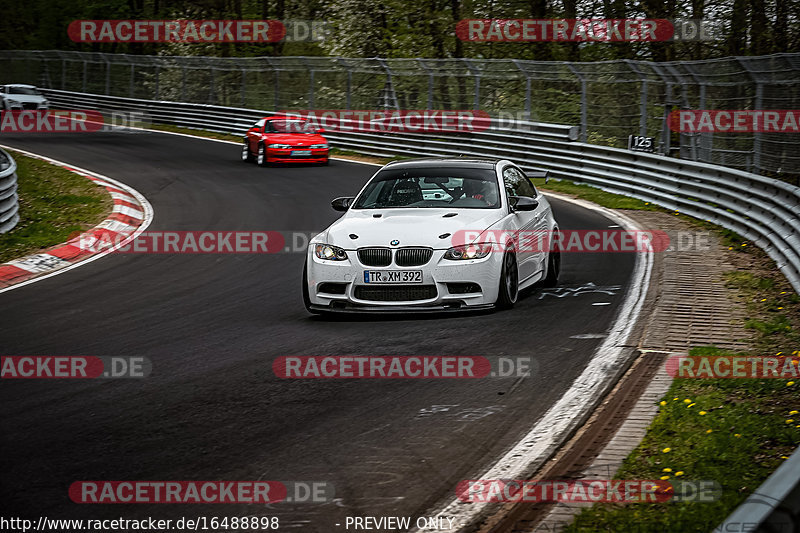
301 152
393 276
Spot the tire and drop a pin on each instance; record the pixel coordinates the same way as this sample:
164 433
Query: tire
306 297
261 158
246 155
509 282
553 268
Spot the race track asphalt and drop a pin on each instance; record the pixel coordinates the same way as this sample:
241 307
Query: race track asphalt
212 325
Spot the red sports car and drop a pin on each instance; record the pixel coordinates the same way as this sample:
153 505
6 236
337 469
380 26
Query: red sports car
284 140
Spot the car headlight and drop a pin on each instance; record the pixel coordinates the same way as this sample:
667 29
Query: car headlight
330 252
283 146
468 251
319 146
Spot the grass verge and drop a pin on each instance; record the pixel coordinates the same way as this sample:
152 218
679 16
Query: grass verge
733 431
54 204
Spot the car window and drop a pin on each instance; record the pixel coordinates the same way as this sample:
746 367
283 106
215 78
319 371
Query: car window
469 188
290 126
23 90
517 183
259 125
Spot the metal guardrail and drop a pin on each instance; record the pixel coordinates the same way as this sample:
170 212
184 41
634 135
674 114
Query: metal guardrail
773 507
9 202
763 210
608 99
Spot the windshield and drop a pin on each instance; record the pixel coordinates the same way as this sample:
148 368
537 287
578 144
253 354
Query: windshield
468 188
23 90
290 126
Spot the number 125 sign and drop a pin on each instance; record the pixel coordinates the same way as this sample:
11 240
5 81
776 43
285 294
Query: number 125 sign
639 143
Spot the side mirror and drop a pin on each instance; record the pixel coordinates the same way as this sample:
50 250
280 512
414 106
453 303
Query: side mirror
538 174
342 203
523 203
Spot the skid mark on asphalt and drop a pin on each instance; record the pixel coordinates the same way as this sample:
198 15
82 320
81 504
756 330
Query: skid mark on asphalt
586 288
462 415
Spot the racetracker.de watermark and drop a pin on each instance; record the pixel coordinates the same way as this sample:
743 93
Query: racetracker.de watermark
51 121
585 30
733 367
176 31
397 120
71 121
402 367
587 491
73 367
735 121
570 241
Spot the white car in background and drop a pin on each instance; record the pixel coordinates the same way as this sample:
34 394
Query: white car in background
421 235
19 97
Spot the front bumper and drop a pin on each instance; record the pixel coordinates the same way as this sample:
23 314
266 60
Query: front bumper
443 279
280 155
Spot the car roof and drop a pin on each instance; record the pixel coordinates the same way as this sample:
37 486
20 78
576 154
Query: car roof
283 117
457 162
23 85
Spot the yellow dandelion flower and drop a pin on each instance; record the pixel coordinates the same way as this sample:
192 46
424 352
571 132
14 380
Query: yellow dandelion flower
793 413
662 403
667 470
679 473
666 450
764 300
737 435
687 400
690 405
744 244
789 383
675 399
779 352
784 457
664 478
701 413
789 421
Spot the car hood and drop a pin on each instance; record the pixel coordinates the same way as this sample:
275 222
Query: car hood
412 227
295 139
24 98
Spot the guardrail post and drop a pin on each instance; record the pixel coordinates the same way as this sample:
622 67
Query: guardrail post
348 97
108 75
584 102
311 89
527 89
476 74
643 100
665 131
244 84
183 83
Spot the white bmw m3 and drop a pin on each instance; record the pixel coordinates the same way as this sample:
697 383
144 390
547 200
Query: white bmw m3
432 235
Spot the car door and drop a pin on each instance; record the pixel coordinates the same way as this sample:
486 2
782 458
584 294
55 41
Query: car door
254 135
530 224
